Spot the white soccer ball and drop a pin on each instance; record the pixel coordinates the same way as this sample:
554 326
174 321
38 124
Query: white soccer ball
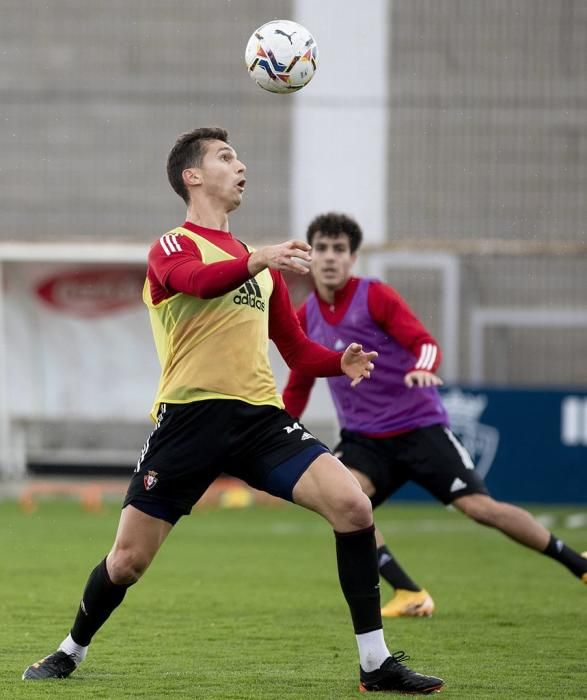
282 56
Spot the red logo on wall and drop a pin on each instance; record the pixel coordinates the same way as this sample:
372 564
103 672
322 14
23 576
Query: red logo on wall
94 292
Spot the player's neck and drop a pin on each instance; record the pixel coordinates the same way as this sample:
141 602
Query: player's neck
330 294
207 216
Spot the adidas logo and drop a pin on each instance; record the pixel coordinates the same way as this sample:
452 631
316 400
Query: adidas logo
457 485
339 345
250 295
383 559
296 426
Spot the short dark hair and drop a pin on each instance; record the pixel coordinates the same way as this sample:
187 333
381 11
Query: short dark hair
335 224
188 152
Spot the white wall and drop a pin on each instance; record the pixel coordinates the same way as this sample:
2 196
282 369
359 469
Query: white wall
340 119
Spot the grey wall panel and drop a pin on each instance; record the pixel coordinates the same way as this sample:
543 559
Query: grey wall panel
93 95
488 140
488 119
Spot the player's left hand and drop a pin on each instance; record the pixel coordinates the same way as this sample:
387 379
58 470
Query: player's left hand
422 378
356 363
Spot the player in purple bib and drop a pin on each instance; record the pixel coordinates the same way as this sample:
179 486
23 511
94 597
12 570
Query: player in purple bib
394 428
387 406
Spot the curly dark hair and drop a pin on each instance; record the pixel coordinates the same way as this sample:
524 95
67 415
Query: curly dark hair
188 152
336 224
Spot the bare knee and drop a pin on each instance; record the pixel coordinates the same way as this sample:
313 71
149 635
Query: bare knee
352 511
126 566
328 487
480 508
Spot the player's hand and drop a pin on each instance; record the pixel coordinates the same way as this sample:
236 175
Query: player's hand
293 256
422 378
356 363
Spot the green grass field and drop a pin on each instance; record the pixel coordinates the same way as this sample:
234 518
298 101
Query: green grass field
245 604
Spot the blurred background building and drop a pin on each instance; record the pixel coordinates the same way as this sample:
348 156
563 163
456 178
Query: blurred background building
455 131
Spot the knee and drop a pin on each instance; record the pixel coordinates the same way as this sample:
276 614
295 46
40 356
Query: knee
481 509
126 566
355 511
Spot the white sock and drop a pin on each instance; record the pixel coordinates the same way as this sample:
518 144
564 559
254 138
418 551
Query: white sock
76 651
372 650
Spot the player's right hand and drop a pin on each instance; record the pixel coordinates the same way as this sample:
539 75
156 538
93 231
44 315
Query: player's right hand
357 364
293 256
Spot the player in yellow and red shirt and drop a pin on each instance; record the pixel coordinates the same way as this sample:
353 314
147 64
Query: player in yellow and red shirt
214 303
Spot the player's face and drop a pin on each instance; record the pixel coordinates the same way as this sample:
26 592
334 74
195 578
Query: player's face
332 260
222 175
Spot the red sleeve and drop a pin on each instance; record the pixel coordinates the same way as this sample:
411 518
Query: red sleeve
176 266
299 386
295 347
390 311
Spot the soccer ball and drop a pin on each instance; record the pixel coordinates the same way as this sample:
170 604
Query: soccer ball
282 56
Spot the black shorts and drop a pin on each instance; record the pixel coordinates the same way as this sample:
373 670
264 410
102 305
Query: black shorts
432 457
194 443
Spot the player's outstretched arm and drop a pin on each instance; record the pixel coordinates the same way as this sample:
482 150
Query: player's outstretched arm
422 378
357 364
290 255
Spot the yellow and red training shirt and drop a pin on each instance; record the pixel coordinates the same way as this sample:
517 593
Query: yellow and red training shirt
212 321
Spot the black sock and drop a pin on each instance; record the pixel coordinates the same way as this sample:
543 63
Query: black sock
356 555
392 572
575 563
100 598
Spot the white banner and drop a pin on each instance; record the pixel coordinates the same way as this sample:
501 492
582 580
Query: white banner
78 342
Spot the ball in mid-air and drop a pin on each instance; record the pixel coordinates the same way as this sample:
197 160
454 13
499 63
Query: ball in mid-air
282 56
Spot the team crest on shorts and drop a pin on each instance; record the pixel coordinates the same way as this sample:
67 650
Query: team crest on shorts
150 479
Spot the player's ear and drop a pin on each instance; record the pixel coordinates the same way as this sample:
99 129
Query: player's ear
192 177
